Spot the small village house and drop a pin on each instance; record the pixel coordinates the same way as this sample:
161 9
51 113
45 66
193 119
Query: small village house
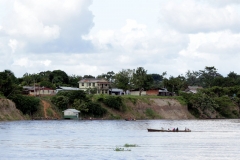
38 91
101 85
71 114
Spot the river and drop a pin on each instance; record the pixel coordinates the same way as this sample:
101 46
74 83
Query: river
98 139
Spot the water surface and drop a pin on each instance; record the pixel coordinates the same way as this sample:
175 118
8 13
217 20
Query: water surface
97 139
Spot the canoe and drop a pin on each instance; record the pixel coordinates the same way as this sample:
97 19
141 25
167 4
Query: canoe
162 130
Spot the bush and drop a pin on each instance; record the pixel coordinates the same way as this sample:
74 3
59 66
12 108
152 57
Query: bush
95 109
224 108
60 101
114 102
26 104
150 113
72 95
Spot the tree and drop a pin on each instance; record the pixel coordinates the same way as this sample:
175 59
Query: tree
175 84
208 75
80 105
123 79
73 80
157 81
60 101
6 83
88 76
58 77
140 79
192 78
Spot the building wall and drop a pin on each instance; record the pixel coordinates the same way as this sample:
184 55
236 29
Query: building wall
42 92
152 92
136 93
85 85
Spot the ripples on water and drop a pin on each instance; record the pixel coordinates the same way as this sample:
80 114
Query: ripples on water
69 139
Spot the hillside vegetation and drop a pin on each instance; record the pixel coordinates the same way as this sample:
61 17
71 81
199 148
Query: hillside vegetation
137 108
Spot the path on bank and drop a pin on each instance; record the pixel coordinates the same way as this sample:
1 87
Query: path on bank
47 106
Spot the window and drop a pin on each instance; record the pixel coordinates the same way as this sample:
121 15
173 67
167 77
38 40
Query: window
93 84
89 84
82 84
105 84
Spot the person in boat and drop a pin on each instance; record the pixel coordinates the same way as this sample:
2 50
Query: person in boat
173 129
177 129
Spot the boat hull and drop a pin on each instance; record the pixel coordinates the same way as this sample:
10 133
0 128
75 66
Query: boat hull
162 130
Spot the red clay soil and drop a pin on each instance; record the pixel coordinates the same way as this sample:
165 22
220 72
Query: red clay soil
46 105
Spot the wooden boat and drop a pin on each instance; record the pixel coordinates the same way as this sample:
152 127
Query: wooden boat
162 130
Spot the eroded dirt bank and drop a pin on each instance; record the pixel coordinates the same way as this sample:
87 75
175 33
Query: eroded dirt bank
162 109
8 111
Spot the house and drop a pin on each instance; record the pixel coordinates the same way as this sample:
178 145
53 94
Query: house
101 85
164 92
71 114
66 89
192 89
38 91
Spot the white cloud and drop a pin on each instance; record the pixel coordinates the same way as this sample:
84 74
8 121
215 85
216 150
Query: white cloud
47 26
173 36
13 44
196 16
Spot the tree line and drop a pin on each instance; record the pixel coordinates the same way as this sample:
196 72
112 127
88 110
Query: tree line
218 91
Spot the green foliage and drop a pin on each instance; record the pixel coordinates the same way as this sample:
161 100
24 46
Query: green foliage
47 84
133 99
115 116
73 80
80 105
26 104
60 101
140 79
91 90
115 102
95 109
58 77
130 145
150 113
72 95
224 103
6 83
123 79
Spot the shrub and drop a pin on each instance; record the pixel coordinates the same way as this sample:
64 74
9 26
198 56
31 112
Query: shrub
26 104
60 101
150 113
115 102
95 109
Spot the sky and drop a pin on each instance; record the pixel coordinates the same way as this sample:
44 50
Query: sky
92 37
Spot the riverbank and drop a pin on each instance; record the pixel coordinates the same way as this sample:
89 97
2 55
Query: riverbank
136 108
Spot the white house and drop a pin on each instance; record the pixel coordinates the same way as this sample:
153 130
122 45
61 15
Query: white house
71 114
101 85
